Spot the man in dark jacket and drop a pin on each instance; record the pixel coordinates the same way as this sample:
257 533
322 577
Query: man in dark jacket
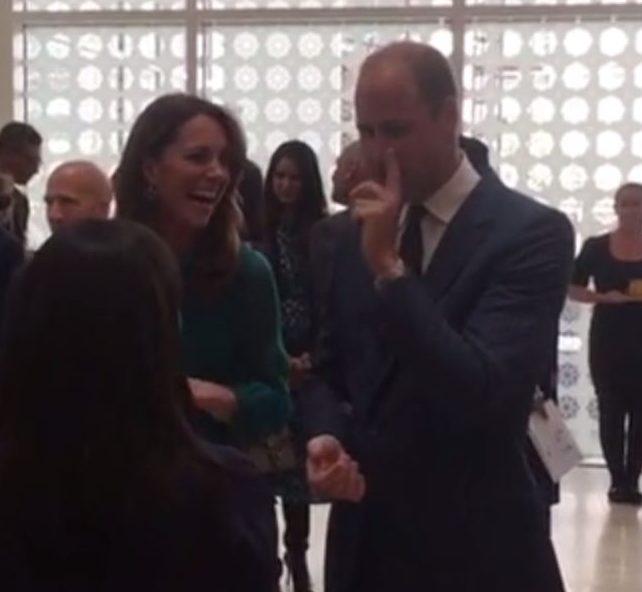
443 302
20 159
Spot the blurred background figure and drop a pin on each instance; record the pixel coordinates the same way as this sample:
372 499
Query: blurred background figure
105 486
11 251
348 173
250 194
295 201
613 264
77 190
20 157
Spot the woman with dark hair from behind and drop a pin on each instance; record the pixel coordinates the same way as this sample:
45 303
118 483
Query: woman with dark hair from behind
295 202
103 485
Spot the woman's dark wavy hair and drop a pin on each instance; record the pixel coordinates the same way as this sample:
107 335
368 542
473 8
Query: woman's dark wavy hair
311 205
93 403
155 129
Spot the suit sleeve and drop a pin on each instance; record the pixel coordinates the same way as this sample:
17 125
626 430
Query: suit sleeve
324 401
486 367
11 256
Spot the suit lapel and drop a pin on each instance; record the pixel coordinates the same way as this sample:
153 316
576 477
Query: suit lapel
464 235
461 240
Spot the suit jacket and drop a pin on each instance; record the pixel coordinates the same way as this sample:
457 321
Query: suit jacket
11 256
439 373
20 216
324 240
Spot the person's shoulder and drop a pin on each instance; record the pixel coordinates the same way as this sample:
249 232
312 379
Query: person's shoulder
254 266
520 209
330 226
599 242
20 200
598 239
10 247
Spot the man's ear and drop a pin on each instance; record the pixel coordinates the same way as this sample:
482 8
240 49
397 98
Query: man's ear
449 112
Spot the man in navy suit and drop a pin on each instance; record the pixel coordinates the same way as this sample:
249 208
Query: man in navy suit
444 300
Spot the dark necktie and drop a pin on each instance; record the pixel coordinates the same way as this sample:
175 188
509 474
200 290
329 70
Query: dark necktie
412 244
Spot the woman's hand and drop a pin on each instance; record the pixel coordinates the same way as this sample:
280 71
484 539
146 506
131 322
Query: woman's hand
214 398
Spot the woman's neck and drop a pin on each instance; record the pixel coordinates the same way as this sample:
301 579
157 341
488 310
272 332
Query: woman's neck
179 237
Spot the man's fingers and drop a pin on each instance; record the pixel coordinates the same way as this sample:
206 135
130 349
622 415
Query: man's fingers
393 173
364 208
366 190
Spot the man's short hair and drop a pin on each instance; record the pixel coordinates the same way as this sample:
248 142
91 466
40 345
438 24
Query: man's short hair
17 135
429 67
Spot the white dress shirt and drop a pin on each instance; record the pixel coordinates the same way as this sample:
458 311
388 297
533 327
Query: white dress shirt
442 206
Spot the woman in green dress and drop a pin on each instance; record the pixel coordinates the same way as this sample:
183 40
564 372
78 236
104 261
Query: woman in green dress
178 175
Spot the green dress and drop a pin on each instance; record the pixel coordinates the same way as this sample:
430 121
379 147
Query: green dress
235 340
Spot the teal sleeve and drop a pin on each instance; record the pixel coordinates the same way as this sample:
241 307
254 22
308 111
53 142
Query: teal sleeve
264 405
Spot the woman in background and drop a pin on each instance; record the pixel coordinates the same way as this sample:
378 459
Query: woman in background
103 485
294 201
614 264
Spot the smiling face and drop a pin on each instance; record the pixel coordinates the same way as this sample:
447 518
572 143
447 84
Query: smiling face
191 175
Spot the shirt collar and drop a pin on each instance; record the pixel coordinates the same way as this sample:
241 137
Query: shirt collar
444 203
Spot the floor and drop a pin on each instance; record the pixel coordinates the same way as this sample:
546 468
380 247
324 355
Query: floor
599 546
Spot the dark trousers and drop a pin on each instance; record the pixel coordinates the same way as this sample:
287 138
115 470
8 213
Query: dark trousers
297 527
621 435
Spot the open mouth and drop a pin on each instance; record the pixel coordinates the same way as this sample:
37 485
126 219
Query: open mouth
206 197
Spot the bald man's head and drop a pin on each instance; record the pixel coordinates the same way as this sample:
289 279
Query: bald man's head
77 190
348 173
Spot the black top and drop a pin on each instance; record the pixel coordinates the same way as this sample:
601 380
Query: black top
291 270
616 329
195 540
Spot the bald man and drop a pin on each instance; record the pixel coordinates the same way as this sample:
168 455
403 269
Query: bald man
347 173
77 190
445 297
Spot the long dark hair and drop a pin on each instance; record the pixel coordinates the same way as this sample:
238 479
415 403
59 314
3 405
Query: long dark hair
93 405
155 129
311 205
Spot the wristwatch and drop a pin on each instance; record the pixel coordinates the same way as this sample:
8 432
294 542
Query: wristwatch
396 272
